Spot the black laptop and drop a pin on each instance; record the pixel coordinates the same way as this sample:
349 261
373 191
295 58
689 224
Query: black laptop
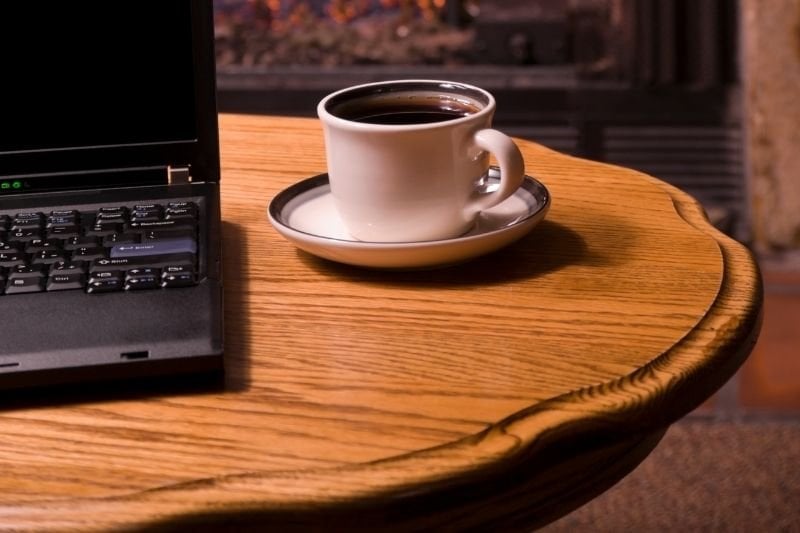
109 191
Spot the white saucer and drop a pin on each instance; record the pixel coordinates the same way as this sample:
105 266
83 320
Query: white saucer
305 215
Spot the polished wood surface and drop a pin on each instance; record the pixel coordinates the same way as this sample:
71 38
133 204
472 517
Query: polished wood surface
504 391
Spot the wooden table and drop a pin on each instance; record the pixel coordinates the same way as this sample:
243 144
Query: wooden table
499 394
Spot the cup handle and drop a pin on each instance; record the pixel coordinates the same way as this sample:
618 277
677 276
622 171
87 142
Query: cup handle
512 167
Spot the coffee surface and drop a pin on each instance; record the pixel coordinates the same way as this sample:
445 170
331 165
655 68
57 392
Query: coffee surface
410 115
405 108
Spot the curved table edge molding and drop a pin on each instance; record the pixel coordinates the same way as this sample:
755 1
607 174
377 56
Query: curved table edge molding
491 464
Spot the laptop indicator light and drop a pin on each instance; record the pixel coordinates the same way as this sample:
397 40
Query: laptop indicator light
10 185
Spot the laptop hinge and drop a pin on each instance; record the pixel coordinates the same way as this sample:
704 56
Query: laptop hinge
178 175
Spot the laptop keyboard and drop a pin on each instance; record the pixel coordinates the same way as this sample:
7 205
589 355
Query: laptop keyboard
114 248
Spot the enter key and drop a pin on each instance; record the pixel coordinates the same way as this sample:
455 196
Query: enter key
167 246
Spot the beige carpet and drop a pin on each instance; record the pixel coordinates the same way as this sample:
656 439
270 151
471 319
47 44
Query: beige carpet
705 475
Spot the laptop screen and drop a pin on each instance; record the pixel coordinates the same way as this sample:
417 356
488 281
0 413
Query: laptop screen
99 94
95 73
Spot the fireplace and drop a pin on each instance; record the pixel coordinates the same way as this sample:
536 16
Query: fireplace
649 84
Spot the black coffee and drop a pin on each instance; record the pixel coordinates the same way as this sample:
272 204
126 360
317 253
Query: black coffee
411 116
405 106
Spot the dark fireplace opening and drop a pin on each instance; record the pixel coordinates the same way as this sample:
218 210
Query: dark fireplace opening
648 84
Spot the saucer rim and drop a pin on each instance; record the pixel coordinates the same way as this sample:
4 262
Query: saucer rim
532 186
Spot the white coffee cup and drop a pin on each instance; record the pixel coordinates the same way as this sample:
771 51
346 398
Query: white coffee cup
407 158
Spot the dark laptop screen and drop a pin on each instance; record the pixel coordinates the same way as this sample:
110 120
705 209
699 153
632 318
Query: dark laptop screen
95 73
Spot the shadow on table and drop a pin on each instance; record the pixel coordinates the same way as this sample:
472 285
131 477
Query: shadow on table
528 258
237 319
114 390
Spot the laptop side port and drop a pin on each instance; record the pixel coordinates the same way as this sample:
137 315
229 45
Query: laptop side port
135 355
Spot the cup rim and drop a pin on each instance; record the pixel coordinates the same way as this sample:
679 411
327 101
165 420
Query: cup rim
327 116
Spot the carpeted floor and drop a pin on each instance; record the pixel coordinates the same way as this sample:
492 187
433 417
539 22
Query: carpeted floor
705 475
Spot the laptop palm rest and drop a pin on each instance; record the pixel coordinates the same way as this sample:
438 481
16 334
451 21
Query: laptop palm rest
150 333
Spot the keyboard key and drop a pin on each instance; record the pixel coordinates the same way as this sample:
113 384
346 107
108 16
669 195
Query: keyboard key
177 276
32 215
174 213
169 246
101 229
11 258
64 232
155 261
104 285
24 235
106 281
48 257
25 285
146 207
181 205
163 224
63 282
105 218
142 281
112 214
89 253
66 267
27 271
151 214
105 274
156 235
26 223
62 218
74 243
143 271
63 212
120 238
39 245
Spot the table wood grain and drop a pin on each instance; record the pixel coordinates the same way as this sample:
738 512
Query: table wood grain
501 392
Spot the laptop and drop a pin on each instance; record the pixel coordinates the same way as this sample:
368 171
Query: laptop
109 191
